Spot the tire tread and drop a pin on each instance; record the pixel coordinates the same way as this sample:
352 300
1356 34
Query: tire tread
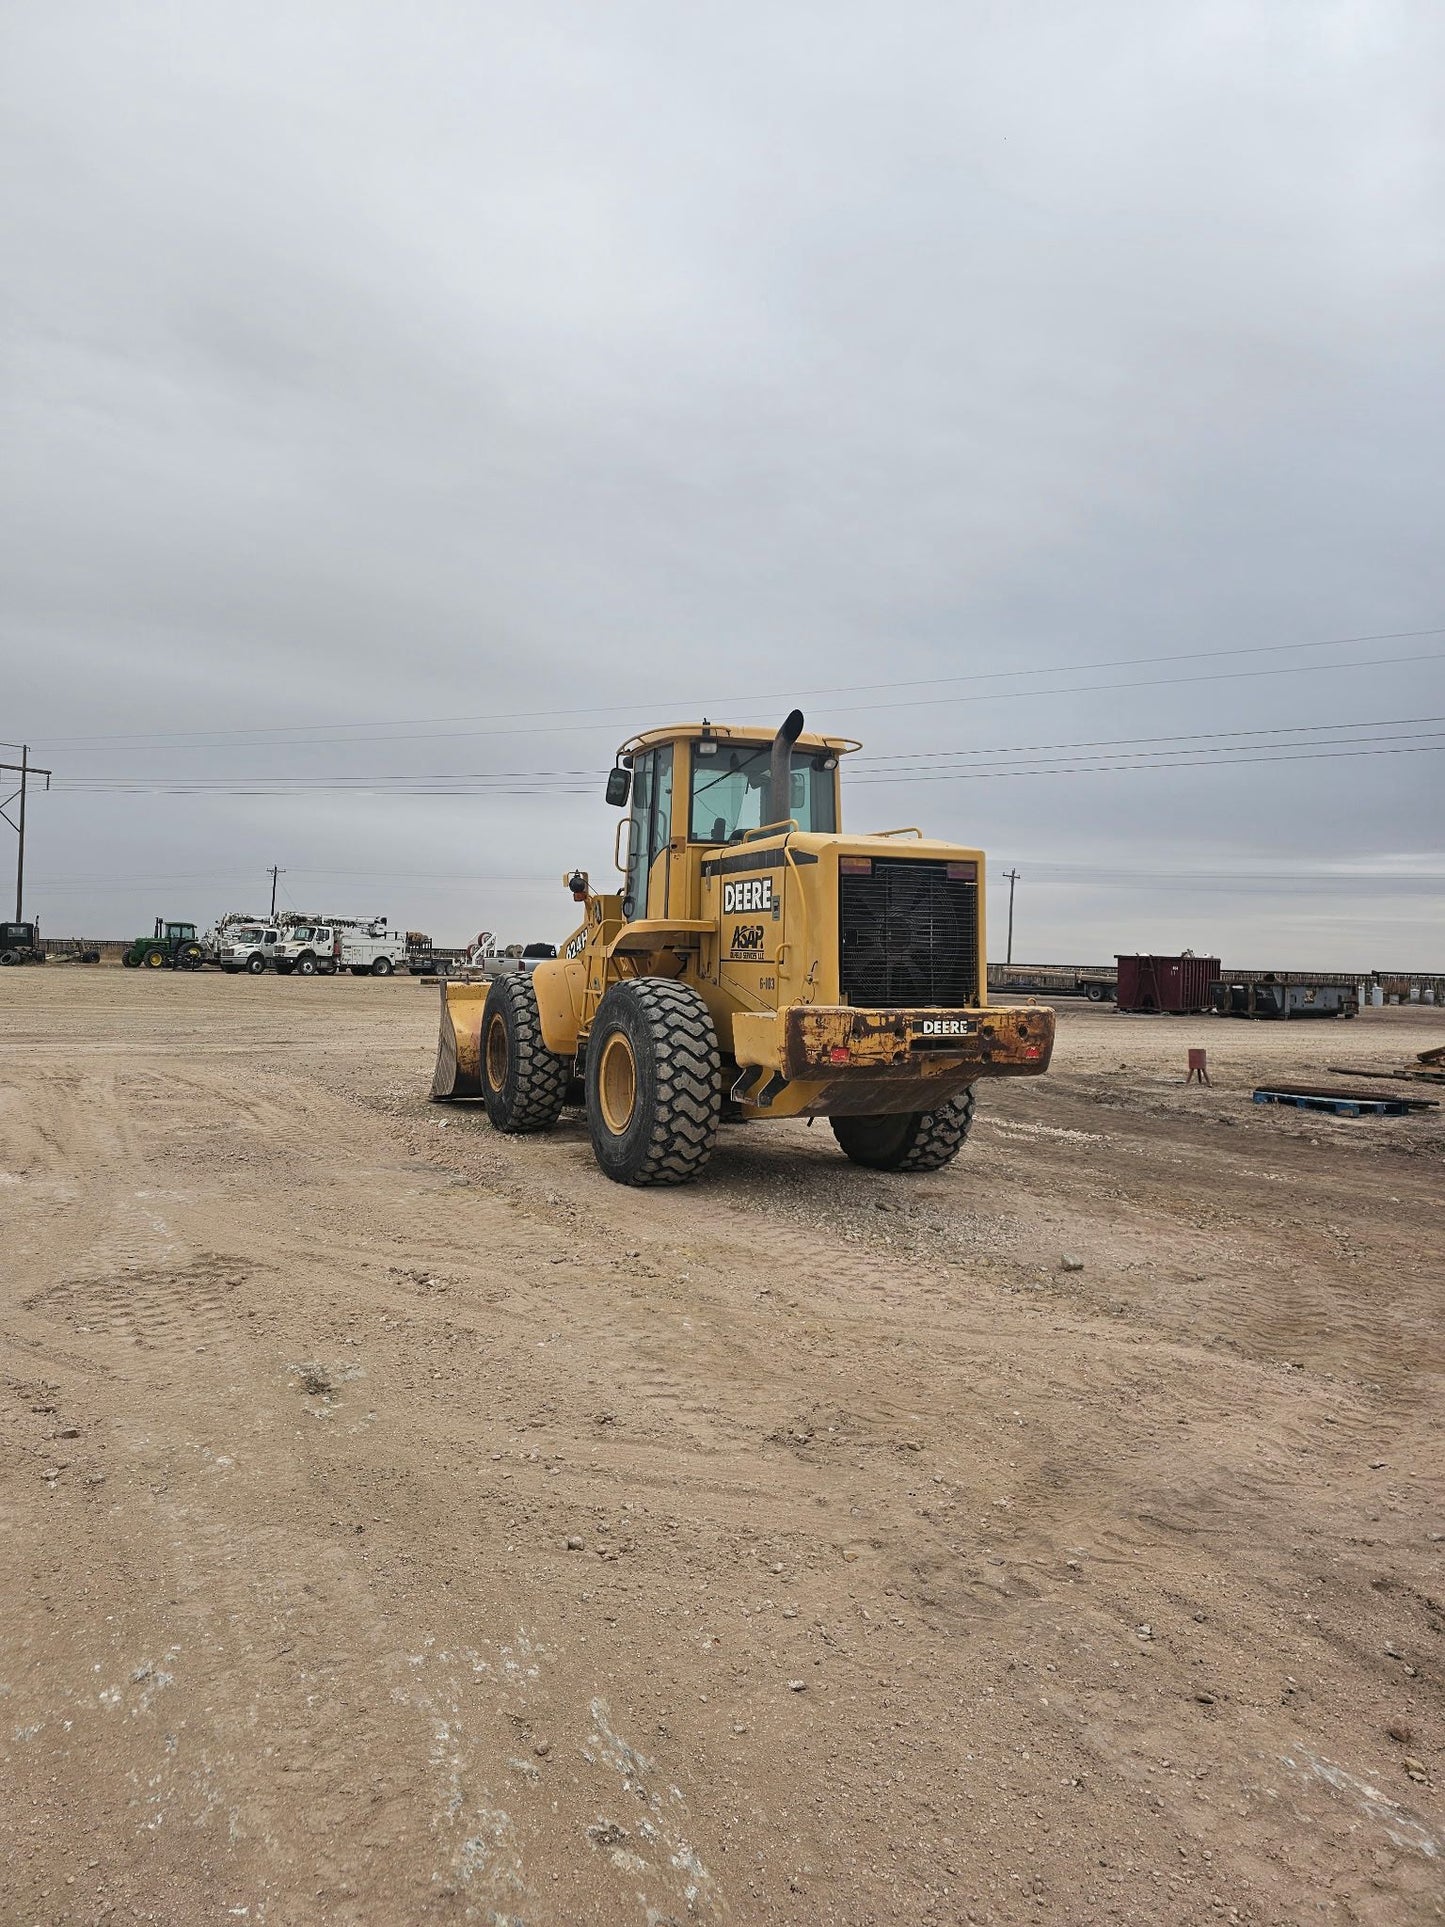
541 1076
687 1092
937 1139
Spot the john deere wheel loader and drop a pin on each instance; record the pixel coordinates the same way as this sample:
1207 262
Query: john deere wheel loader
756 963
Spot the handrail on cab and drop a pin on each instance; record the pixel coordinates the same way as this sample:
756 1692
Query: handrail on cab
774 829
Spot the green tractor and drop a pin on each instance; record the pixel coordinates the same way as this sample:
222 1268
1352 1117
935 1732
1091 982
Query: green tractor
173 947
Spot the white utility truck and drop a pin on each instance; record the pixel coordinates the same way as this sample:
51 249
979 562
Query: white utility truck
243 946
312 946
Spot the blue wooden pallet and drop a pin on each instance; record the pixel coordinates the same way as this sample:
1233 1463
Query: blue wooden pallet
1340 1106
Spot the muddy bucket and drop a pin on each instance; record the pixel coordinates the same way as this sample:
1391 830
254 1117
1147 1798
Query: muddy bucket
459 1045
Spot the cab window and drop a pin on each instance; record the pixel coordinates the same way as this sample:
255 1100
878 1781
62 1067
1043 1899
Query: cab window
730 792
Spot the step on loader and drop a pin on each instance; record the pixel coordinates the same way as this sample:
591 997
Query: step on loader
757 962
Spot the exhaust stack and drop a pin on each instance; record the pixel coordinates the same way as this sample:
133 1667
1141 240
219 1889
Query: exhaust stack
781 767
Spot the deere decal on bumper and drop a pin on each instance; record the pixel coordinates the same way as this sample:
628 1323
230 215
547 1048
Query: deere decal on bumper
823 1039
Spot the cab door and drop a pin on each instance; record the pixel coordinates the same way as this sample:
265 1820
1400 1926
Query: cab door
649 830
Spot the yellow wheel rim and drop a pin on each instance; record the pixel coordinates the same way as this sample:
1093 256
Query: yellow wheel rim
617 1083
154 959
497 1053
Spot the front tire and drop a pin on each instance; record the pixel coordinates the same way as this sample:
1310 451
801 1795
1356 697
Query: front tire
155 960
654 1083
256 965
305 966
913 1141
524 1085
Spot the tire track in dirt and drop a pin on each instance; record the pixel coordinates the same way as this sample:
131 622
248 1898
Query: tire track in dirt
802 1424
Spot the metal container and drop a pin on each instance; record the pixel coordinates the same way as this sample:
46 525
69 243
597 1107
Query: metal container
1175 984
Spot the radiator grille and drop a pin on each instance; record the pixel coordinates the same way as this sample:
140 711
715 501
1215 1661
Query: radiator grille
909 936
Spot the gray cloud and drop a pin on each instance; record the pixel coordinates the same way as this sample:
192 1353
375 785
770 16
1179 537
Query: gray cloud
365 364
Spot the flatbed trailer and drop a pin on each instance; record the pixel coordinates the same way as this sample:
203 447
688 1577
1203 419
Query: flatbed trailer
1097 982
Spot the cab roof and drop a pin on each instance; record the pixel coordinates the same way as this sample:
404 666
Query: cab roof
755 737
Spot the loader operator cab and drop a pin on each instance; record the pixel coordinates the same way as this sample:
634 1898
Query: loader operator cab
725 779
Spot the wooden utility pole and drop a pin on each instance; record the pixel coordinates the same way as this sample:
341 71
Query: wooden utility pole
24 769
1013 877
276 871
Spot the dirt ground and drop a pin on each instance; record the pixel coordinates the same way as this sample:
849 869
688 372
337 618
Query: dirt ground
403 1524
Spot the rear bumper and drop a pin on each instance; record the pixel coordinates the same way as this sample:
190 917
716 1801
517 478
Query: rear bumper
824 1040
834 1060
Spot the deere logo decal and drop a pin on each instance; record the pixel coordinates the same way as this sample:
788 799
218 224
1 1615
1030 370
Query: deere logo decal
748 897
945 1027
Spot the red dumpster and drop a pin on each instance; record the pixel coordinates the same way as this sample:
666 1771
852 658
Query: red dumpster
1178 984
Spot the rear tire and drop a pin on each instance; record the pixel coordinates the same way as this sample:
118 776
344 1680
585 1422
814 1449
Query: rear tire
914 1141
131 962
190 956
381 967
654 1083
524 1086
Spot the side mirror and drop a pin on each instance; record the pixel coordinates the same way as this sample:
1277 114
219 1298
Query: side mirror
619 786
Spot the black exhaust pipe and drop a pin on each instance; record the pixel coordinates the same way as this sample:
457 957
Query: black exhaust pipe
780 769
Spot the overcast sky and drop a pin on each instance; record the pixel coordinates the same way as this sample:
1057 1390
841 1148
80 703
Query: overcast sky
405 393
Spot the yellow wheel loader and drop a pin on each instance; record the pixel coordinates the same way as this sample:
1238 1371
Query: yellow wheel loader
756 963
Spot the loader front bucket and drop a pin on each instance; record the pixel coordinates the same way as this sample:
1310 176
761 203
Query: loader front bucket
459 1047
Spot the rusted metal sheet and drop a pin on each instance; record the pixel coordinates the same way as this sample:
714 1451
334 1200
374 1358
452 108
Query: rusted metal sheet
993 1042
833 1060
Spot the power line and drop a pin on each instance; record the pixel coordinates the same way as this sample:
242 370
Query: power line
1123 742
461 786
853 709
288 779
108 880
1171 759
1100 769
302 732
